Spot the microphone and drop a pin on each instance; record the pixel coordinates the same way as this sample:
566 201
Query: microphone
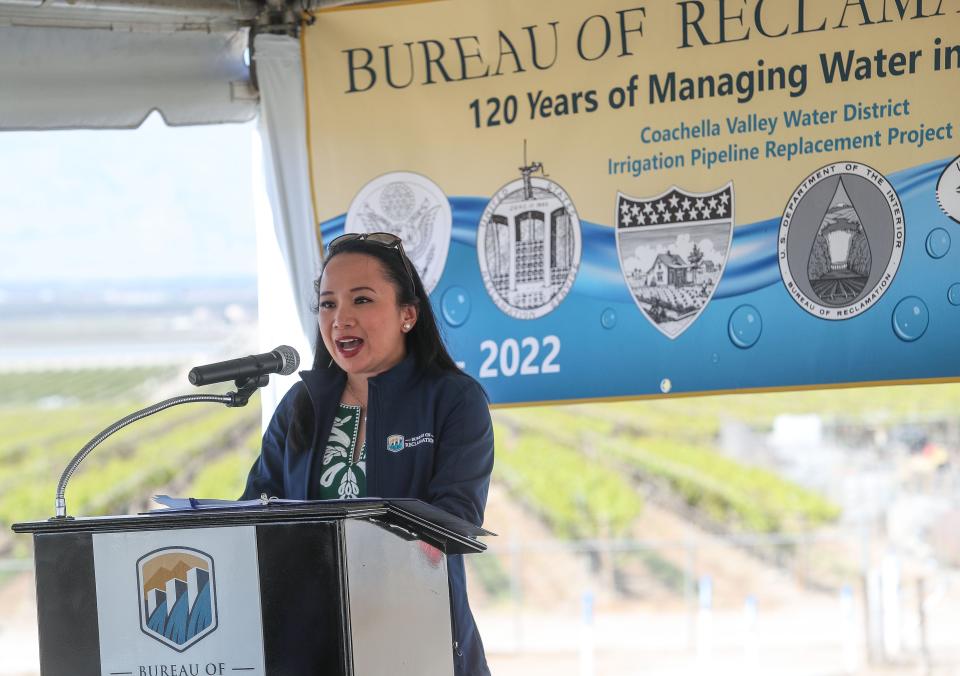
283 360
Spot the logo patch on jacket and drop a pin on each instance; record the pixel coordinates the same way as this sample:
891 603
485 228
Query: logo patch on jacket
397 442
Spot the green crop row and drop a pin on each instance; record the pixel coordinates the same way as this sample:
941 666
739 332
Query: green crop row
698 419
226 476
686 419
560 422
124 477
578 424
890 404
22 428
739 496
42 460
576 496
744 497
168 455
79 384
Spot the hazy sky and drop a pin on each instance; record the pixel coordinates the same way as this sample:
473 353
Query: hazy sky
149 203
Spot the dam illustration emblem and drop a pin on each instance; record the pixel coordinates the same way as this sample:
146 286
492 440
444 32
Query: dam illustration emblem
841 240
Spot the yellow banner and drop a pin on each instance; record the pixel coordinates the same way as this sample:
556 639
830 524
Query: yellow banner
452 88
685 196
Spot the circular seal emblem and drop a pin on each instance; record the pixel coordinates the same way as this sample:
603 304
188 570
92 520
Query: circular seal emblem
948 190
412 207
841 240
528 246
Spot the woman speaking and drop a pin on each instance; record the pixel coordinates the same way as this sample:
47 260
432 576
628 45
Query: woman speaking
384 412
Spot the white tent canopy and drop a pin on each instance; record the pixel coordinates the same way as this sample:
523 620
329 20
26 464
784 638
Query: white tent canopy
98 64
61 78
108 64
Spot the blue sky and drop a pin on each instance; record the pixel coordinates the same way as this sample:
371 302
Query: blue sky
152 203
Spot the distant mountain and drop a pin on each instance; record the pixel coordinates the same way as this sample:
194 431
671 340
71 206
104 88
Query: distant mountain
37 299
162 576
843 213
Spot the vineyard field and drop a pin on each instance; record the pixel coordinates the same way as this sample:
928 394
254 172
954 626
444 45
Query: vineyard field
81 385
583 469
733 495
679 301
181 447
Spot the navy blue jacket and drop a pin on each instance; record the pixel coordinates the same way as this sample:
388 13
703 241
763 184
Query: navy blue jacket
446 459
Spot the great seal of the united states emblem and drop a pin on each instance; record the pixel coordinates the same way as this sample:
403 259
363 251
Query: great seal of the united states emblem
415 209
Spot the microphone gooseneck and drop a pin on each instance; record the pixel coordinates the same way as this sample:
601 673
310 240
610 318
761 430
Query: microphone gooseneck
248 373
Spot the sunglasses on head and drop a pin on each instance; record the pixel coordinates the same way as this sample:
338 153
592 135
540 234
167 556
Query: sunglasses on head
385 239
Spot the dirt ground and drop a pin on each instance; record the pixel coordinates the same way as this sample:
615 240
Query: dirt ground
799 640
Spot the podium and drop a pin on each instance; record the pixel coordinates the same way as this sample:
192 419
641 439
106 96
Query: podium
345 588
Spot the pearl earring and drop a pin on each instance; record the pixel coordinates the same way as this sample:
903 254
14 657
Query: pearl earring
406 327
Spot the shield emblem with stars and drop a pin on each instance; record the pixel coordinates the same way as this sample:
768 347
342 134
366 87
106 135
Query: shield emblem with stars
673 248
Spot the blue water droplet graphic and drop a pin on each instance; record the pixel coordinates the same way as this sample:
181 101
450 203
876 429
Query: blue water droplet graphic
455 306
910 318
938 243
953 294
745 326
608 318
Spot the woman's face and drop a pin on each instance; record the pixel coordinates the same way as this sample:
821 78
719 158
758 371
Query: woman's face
360 321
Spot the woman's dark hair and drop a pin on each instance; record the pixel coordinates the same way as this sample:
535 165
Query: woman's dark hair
423 341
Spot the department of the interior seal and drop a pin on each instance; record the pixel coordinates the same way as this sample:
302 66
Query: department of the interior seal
841 240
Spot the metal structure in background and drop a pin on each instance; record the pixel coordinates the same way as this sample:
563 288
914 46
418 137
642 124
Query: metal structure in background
676 608
175 15
274 17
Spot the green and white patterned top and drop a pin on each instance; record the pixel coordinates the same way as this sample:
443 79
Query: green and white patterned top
342 478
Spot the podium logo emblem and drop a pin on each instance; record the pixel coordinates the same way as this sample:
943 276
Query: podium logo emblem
177 594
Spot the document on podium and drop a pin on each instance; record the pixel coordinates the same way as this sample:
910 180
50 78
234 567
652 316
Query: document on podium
210 503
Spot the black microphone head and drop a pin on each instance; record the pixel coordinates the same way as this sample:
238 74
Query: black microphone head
289 357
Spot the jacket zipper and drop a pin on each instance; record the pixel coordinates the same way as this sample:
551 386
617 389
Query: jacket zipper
373 450
458 654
